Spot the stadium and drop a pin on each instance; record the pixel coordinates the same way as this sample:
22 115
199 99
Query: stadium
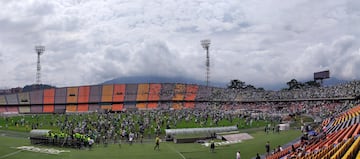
333 112
100 91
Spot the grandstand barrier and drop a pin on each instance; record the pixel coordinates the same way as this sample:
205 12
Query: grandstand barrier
72 95
83 99
36 97
189 105
164 105
12 99
179 92
154 92
36 109
13 109
177 105
48 109
60 109
119 93
107 93
2 109
130 93
201 105
191 92
130 106
142 92
203 93
71 108
142 96
95 95
83 107
106 107
167 91
94 107
117 107
2 100
60 96
141 106
152 105
49 100
24 109
24 98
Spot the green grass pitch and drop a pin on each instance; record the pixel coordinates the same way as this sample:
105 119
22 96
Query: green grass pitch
168 150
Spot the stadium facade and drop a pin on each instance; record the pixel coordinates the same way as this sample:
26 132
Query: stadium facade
113 97
148 96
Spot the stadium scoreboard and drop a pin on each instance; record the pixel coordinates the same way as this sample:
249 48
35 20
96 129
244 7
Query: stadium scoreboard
322 75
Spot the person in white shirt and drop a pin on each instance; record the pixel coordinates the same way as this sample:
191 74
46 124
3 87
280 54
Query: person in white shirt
238 156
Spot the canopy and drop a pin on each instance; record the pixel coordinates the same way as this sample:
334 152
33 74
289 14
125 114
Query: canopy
200 130
38 132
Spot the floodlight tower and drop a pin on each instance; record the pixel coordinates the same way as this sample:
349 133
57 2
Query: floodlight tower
39 51
206 44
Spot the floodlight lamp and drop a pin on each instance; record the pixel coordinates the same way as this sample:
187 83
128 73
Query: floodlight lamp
40 49
205 43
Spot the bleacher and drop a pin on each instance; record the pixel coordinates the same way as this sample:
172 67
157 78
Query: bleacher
147 96
340 139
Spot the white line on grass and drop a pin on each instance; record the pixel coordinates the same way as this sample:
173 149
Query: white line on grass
176 151
10 154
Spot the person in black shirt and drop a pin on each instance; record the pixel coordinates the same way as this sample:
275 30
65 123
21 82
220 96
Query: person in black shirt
257 156
267 146
212 146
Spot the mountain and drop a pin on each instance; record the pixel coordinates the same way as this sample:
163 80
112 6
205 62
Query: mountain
333 81
161 79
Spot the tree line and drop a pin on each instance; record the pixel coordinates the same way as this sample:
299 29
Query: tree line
292 85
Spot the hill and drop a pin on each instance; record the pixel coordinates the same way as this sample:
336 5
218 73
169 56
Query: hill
160 79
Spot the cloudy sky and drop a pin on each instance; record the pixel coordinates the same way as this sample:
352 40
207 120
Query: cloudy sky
261 42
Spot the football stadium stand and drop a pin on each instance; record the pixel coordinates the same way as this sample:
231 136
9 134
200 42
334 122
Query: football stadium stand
144 96
337 106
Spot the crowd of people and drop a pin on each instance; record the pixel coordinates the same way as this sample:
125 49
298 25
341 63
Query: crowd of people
344 90
132 126
323 108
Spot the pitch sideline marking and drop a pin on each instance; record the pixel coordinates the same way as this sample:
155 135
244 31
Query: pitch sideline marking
176 151
10 154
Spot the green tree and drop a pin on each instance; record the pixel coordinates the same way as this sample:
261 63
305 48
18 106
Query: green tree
236 84
294 84
312 83
250 87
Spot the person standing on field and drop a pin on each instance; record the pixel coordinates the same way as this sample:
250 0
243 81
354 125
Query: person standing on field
212 146
157 143
238 156
267 147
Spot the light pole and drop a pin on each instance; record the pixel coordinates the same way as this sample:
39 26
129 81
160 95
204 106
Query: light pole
39 51
206 44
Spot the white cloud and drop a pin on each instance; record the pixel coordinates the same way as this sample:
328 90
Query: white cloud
260 42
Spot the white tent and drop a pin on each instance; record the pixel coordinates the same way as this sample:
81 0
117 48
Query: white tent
38 132
211 130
